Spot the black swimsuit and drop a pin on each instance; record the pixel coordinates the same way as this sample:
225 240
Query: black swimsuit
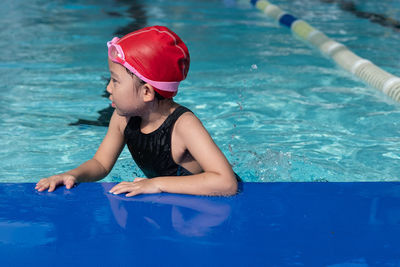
152 151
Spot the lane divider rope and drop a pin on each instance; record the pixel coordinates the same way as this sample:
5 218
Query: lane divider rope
338 52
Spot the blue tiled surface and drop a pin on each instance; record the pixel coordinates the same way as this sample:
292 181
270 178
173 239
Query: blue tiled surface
267 224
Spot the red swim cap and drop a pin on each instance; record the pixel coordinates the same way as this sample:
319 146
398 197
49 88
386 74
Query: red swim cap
156 55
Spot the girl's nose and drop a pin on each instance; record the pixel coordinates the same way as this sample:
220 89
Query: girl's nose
109 89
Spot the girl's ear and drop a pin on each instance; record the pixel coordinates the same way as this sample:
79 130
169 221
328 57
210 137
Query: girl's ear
148 93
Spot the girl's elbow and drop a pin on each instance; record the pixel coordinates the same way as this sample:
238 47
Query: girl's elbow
225 184
233 189
230 187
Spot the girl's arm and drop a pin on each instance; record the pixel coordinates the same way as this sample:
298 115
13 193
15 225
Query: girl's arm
107 154
218 177
96 168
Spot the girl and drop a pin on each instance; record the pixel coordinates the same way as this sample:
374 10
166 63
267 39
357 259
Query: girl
166 140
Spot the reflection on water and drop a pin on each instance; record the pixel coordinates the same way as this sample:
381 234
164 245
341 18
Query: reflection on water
187 215
26 234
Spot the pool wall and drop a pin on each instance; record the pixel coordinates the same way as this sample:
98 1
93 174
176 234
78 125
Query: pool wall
266 224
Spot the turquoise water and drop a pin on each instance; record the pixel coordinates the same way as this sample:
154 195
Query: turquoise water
278 109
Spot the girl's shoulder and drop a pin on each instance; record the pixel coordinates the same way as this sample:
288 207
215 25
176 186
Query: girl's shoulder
118 122
187 121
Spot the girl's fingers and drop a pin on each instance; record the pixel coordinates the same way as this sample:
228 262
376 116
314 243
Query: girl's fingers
52 182
118 187
133 193
115 187
125 184
123 188
43 188
69 184
52 186
42 185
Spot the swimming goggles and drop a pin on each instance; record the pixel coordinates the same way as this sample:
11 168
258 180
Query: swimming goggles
116 54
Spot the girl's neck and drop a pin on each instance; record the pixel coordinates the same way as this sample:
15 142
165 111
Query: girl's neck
156 114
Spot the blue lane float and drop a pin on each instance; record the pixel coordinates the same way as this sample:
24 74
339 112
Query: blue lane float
358 66
287 20
267 224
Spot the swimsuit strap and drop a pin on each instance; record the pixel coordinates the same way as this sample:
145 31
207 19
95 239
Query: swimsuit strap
173 117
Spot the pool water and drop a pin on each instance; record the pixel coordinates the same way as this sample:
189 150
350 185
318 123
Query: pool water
278 109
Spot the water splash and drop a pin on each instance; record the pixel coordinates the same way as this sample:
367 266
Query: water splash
277 166
272 166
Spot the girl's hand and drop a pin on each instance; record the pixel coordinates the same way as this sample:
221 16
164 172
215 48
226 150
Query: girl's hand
53 181
138 186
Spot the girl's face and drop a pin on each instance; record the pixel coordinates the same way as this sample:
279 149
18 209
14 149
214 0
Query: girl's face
124 92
